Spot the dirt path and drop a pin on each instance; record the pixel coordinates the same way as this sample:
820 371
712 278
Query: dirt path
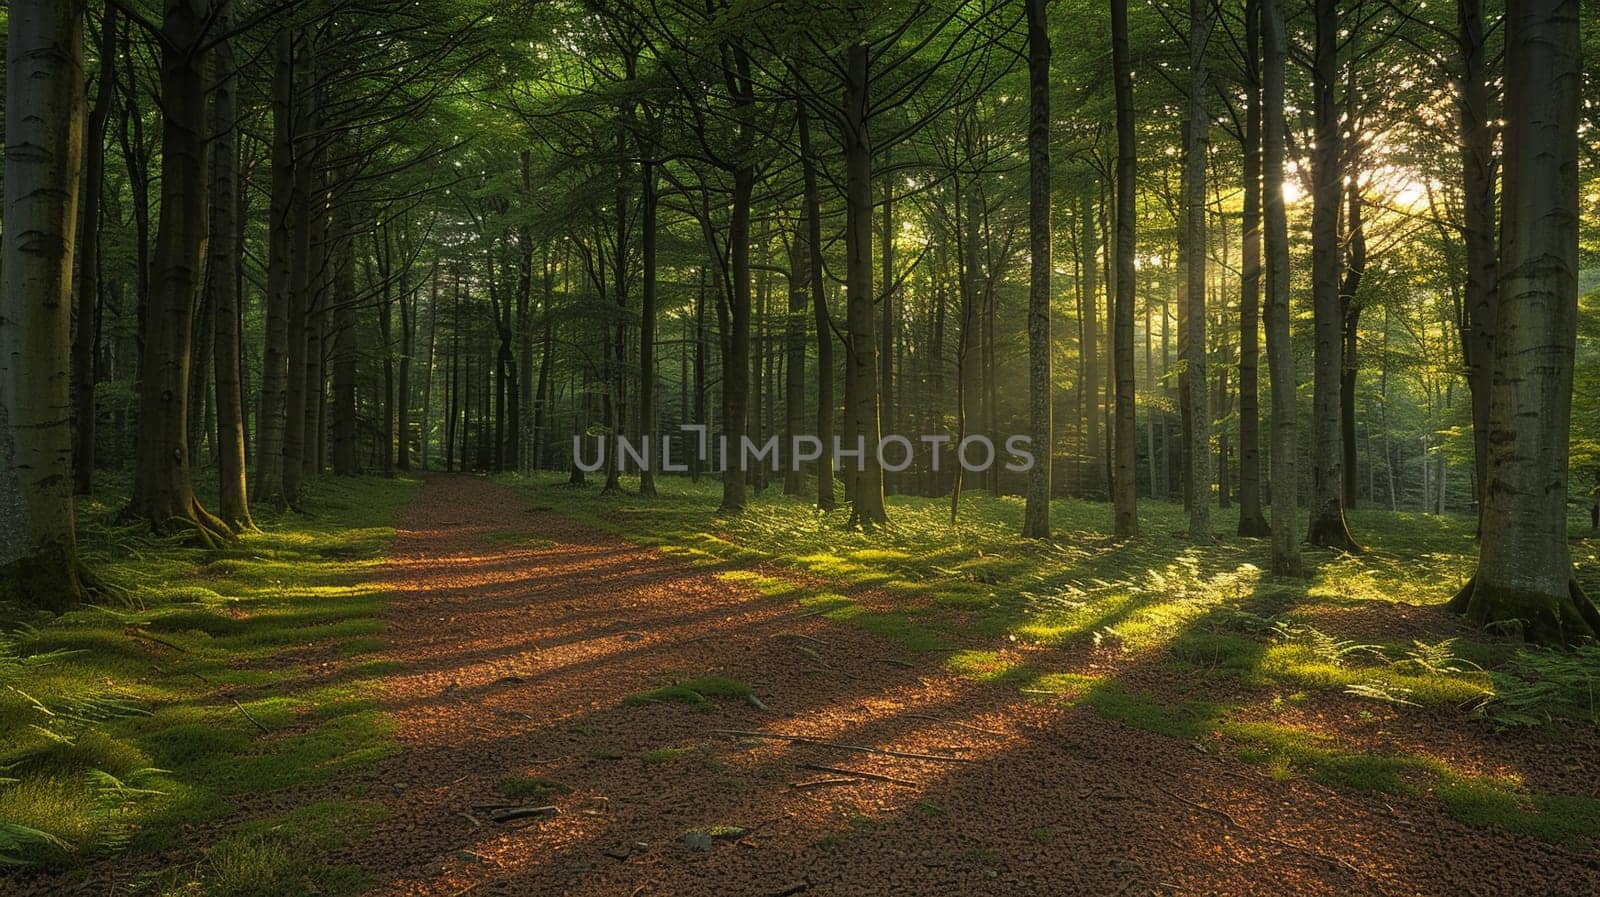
518 659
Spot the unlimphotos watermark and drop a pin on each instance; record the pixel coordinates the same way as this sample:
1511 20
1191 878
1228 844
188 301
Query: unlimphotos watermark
975 453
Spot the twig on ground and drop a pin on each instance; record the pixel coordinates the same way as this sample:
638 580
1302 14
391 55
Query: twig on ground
816 767
509 814
1333 860
821 783
136 632
896 662
863 749
264 729
470 818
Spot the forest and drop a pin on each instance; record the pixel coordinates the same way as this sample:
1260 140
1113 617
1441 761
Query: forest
676 447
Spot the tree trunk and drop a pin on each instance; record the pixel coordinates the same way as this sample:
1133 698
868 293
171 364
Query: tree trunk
819 307
1090 312
1350 318
867 508
43 166
1036 513
1196 139
294 427
1251 521
1481 302
1124 495
794 344
163 494
88 279
1327 527
270 419
233 504
1280 353
1525 571
346 343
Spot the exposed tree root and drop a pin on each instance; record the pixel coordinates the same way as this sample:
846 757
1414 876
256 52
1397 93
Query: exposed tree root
1571 619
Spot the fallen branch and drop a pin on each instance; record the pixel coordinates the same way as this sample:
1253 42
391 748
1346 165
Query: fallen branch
896 662
264 729
136 632
863 749
513 813
814 767
821 783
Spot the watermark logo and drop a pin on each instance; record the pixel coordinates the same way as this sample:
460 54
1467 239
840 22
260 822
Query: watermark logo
895 452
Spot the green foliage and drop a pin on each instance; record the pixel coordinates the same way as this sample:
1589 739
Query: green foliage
118 726
1543 685
697 692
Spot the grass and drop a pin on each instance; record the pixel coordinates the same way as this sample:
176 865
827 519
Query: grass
1000 610
124 724
697 692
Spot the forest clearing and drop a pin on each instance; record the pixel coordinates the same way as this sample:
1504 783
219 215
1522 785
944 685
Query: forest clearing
643 447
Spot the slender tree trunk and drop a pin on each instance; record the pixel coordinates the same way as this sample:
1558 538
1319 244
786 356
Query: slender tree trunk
302 143
1124 493
163 493
1196 140
794 342
1036 513
819 307
43 167
1525 571
233 504
1327 527
346 344
1481 306
1280 353
270 418
647 319
88 278
1090 311
867 508
1350 317
1251 520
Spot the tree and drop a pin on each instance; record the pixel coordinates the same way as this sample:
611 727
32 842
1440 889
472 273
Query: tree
1524 574
44 158
1036 515
1327 527
1280 354
1192 247
222 283
1251 521
163 492
1124 498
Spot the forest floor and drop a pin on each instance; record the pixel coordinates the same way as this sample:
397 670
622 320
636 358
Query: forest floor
734 712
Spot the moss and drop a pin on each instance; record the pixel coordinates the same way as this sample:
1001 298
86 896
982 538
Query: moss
694 691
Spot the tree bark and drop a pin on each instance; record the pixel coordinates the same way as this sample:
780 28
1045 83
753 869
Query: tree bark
233 503
819 307
867 507
271 416
647 316
163 493
1251 520
1481 302
1036 512
1124 496
1524 577
1327 527
88 264
1280 353
43 167
1194 247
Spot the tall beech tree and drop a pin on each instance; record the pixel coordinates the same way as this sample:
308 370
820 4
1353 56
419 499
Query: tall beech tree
163 491
1524 576
43 167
